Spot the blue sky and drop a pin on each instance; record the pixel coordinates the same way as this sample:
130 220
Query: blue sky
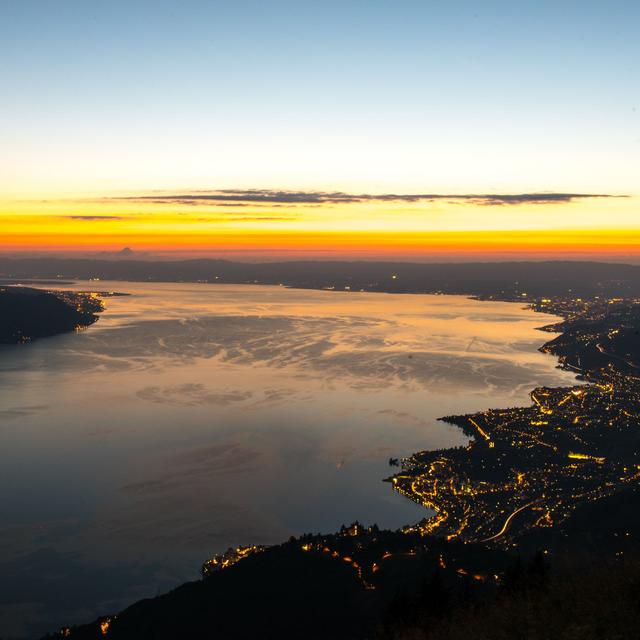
408 95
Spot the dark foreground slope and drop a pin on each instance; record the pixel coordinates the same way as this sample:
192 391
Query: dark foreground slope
600 602
318 587
27 314
392 585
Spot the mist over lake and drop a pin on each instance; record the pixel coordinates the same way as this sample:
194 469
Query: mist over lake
193 417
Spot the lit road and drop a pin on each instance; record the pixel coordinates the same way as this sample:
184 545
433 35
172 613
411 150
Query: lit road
507 522
604 352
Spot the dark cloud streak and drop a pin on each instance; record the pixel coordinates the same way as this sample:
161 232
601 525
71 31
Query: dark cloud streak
229 198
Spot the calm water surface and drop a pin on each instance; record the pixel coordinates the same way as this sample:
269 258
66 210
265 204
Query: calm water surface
194 417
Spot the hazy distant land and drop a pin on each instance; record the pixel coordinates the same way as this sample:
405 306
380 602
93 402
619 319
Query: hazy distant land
507 279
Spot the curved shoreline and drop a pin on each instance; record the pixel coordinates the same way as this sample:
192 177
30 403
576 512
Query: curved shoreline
517 455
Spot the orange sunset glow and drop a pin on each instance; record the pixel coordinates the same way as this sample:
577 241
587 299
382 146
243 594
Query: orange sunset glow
324 225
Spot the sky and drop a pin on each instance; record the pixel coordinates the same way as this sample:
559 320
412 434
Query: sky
419 130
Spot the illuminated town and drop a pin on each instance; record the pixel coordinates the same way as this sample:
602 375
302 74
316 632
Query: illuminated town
529 468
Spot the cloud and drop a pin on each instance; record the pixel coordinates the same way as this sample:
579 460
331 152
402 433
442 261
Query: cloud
228 197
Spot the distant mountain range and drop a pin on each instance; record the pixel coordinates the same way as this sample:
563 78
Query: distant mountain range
483 279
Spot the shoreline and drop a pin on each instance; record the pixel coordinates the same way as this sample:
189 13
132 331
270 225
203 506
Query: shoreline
29 314
495 454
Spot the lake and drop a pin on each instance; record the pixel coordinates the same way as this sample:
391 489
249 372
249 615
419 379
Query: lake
193 417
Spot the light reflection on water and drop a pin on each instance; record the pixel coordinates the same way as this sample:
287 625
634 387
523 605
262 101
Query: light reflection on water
194 417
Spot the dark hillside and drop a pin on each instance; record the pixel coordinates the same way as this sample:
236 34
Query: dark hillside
27 314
